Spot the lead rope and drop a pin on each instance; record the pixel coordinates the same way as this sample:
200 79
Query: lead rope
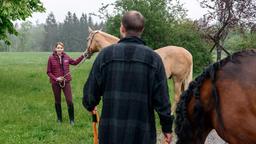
95 121
62 85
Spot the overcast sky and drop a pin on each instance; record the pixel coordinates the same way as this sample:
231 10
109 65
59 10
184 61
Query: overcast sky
61 7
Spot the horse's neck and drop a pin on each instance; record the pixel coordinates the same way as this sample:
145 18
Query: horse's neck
108 40
103 44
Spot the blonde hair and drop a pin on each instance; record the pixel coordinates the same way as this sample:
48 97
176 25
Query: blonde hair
59 43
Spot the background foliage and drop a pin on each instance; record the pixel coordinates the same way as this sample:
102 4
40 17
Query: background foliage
42 37
166 24
11 10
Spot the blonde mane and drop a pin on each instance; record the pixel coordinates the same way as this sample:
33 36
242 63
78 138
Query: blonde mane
108 36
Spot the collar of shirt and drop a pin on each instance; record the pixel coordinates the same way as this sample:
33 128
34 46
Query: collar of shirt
56 55
60 59
132 39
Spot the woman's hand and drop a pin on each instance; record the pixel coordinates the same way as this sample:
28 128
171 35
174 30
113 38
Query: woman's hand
60 79
84 54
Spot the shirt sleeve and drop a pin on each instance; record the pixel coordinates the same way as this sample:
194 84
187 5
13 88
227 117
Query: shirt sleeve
92 90
161 99
49 70
76 61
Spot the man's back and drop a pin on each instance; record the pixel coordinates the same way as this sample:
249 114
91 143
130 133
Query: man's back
131 78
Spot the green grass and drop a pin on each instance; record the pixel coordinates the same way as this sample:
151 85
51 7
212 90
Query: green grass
27 113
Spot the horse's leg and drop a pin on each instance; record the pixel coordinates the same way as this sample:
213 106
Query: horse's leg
187 79
177 91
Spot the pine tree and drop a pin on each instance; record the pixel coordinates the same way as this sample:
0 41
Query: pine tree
51 32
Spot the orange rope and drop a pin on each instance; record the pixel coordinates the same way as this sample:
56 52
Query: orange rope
95 120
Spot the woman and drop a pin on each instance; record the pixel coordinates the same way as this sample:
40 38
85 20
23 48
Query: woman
58 72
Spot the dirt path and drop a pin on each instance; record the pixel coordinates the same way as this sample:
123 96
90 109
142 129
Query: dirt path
212 138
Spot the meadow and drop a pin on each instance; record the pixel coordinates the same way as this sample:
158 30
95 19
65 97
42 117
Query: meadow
27 114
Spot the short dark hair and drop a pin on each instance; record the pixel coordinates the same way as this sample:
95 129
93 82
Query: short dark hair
133 22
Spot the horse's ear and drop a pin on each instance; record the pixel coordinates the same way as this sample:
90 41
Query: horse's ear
89 29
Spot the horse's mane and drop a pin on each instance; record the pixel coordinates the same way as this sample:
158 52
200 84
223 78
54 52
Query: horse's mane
108 35
183 126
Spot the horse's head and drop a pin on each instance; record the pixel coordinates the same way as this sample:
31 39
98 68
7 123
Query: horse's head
220 98
97 40
184 127
92 45
192 124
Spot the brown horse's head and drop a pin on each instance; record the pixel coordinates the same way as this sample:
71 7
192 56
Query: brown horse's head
195 109
221 98
192 126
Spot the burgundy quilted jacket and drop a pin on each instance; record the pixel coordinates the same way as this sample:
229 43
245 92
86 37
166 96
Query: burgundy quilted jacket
57 67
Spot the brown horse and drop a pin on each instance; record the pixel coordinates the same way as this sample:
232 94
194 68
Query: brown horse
223 98
177 61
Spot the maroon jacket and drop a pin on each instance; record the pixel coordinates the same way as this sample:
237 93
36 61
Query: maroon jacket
56 69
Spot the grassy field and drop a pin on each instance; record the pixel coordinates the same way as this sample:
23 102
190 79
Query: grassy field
27 113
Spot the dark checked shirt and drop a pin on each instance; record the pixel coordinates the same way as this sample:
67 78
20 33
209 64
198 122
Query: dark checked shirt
130 78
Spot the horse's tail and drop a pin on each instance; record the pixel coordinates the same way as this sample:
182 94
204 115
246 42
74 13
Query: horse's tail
189 77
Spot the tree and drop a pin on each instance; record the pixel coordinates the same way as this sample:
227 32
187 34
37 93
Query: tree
90 22
226 14
70 32
24 36
75 39
74 31
36 37
166 24
159 16
12 10
186 34
83 31
51 32
42 37
237 41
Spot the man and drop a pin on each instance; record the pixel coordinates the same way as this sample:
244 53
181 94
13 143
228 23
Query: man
131 78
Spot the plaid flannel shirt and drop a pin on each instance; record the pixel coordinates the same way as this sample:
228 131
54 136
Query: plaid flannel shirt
131 80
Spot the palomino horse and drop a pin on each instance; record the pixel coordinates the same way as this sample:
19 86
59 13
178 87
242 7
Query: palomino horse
223 98
177 61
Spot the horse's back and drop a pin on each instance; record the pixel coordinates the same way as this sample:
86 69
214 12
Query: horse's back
177 60
174 50
236 85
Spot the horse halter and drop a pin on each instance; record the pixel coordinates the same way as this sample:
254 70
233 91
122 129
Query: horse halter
89 49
